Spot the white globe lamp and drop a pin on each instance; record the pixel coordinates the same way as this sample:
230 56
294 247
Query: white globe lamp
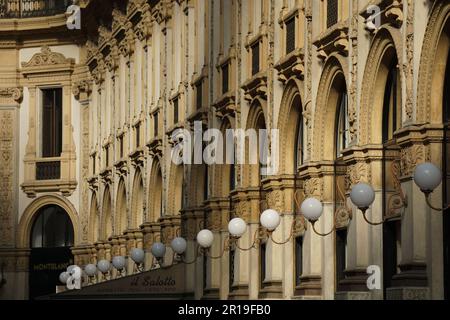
270 219
205 238
312 209
237 227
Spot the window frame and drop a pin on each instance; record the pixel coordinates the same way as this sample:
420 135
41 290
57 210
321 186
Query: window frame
54 153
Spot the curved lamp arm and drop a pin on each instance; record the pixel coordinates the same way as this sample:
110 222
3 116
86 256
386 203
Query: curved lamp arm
226 247
428 200
253 245
364 212
270 234
313 223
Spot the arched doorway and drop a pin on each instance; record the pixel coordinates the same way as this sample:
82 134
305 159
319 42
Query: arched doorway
52 236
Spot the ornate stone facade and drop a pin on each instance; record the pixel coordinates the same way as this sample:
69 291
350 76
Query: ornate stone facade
138 70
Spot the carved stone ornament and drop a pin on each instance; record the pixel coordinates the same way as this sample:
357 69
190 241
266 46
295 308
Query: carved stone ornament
358 172
79 87
14 93
410 158
313 187
46 57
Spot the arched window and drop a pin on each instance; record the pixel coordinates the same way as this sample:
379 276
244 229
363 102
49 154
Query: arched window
298 161
263 146
52 229
342 137
52 236
341 143
392 225
391 114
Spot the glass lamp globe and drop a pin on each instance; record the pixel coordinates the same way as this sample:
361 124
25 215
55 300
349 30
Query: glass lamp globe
118 262
270 219
312 209
137 255
362 195
104 266
158 250
237 227
63 277
90 269
427 177
178 245
205 238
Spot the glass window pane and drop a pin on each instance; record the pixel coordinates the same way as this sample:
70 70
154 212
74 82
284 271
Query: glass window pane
52 229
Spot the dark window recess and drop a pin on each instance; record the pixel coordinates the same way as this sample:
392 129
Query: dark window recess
255 59
390 236
262 263
299 146
94 164
225 78
121 146
155 124
199 95
107 156
390 105
48 170
341 248
298 260
232 177
205 271
205 183
138 136
342 125
51 122
175 111
290 35
332 13
52 229
231 268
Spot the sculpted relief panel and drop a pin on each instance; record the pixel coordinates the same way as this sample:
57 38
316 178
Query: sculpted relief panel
7 119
